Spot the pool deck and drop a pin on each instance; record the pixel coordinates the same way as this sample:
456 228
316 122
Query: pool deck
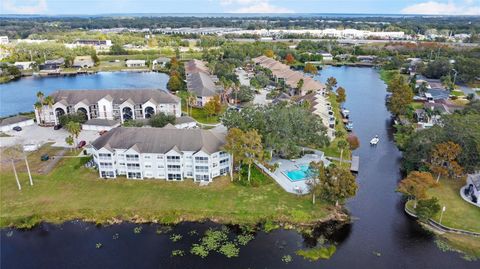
296 187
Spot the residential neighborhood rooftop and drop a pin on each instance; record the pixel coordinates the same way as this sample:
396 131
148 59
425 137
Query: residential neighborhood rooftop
116 95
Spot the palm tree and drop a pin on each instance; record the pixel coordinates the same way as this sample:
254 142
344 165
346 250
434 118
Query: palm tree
191 98
48 101
74 129
342 145
69 140
40 96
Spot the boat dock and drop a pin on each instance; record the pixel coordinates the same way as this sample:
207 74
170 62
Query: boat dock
355 164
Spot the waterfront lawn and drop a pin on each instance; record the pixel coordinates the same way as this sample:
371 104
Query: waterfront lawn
457 93
458 214
72 191
387 75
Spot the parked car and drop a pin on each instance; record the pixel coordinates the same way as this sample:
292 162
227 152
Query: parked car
57 127
44 157
102 132
17 128
81 144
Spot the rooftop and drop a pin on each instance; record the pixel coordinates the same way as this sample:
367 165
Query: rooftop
160 140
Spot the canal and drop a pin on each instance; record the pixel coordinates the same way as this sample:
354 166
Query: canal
381 236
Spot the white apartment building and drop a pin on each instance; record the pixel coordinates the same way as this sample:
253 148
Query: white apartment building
120 105
161 153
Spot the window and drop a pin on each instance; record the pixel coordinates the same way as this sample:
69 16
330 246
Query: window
107 174
214 164
202 178
160 157
189 174
224 162
133 166
148 166
132 157
122 164
223 154
224 170
146 157
201 169
161 166
134 175
106 165
104 156
174 177
201 159
173 168
173 159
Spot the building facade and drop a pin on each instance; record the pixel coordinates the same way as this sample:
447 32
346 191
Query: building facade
161 153
119 105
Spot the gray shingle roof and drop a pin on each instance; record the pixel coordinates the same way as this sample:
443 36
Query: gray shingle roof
13 120
184 119
160 140
102 122
202 84
138 96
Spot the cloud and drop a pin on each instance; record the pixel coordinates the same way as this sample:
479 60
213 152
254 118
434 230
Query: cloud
466 7
24 7
252 6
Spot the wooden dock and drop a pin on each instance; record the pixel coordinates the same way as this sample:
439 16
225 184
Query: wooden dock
355 164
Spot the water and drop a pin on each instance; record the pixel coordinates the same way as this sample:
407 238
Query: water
299 174
20 95
380 224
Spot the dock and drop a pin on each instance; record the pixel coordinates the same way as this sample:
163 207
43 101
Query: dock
355 164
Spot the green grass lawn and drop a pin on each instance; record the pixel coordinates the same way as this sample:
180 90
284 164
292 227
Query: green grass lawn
416 105
197 113
457 93
458 214
72 191
387 75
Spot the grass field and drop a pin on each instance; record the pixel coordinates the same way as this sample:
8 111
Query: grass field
199 114
72 191
457 93
458 214
387 75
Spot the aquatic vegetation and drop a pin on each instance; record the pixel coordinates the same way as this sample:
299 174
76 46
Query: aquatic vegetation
376 253
287 259
137 229
270 226
115 236
199 250
192 232
163 229
98 245
315 254
178 252
176 237
9 234
229 249
243 239
213 239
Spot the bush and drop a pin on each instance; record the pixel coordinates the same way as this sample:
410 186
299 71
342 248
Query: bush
75 117
426 209
159 120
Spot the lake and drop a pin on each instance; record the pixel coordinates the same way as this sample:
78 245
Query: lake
20 95
381 236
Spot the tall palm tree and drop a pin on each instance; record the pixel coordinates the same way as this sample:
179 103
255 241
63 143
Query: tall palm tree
13 153
74 129
40 96
342 145
253 148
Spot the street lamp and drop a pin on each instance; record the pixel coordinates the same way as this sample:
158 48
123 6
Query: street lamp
441 214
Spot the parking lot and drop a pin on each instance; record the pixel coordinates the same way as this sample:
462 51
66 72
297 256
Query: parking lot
37 135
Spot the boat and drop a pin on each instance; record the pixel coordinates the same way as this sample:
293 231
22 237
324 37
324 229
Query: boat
345 113
349 126
374 141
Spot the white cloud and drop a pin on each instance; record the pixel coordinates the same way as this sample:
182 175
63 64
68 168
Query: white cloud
467 7
24 7
252 6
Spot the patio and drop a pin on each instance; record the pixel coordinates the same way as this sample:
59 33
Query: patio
296 187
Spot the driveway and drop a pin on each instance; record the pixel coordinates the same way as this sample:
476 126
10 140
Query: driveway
261 98
35 134
242 77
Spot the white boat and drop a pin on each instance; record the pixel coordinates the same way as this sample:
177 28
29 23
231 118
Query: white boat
374 140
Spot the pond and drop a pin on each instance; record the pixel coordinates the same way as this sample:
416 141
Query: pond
381 236
20 95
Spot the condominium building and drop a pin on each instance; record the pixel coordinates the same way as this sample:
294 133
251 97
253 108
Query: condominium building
200 82
120 105
161 153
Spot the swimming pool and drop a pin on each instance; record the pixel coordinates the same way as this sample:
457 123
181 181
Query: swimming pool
298 174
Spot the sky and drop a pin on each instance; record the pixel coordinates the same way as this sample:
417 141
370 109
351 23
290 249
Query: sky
94 7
